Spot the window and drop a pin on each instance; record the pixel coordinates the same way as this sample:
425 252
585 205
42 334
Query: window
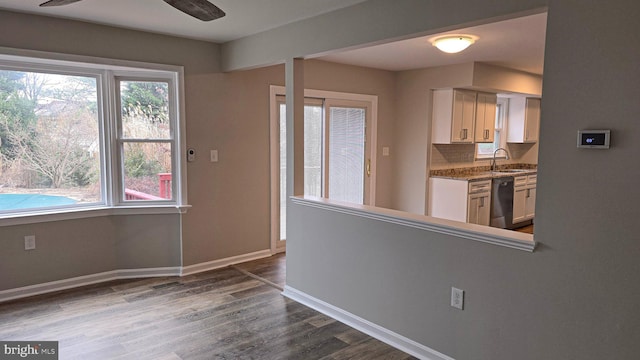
145 141
313 153
80 136
485 151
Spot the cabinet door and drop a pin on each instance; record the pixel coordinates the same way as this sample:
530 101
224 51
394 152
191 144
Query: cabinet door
485 117
532 120
530 203
519 204
463 117
524 120
479 207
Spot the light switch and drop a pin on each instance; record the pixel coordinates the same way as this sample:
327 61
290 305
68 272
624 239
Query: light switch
385 151
214 155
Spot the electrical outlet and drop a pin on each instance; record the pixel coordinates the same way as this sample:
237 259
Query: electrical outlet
214 155
457 298
29 242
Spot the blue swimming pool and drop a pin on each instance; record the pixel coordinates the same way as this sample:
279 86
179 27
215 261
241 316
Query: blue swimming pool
30 201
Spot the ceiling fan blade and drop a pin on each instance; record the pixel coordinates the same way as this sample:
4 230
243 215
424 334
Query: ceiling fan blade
58 2
201 9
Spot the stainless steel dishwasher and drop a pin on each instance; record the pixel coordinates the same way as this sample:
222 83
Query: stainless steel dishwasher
502 202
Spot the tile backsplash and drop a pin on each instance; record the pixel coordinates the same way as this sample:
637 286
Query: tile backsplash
455 155
447 156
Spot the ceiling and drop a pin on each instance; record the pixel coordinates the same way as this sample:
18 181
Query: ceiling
244 17
516 43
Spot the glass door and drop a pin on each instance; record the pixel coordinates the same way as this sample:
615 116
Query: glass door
337 160
347 166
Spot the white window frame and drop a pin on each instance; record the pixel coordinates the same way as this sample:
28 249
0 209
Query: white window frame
120 140
107 72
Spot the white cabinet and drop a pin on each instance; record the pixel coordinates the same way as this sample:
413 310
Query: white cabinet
519 199
485 117
479 202
460 200
524 198
524 120
454 113
463 116
530 204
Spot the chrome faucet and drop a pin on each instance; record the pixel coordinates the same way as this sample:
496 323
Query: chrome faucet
493 163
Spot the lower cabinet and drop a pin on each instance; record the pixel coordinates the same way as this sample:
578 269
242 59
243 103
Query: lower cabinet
460 200
530 204
524 198
479 209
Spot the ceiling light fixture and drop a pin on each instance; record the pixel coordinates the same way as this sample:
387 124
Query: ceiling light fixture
453 43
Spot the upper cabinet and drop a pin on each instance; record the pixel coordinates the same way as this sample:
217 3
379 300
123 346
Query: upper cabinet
462 116
524 120
485 117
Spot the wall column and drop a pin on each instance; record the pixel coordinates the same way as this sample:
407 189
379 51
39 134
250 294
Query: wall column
294 80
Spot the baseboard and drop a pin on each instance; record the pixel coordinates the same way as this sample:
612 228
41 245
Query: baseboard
217 264
38 289
387 336
65 284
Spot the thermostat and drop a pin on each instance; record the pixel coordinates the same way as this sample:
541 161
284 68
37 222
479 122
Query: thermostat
594 139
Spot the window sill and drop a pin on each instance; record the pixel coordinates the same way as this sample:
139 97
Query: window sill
489 157
486 234
89 212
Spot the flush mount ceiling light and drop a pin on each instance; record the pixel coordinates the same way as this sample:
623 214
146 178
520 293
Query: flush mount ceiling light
453 43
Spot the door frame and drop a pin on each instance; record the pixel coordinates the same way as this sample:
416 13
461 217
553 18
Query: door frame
274 151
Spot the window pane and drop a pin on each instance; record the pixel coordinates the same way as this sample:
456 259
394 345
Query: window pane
49 140
147 171
312 157
346 154
144 107
489 148
313 150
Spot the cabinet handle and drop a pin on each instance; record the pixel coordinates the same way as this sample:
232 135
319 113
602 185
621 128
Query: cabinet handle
481 202
528 193
486 134
464 134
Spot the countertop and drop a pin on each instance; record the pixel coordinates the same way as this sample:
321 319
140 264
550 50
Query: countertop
486 175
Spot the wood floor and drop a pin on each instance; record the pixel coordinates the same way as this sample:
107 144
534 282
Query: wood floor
222 314
526 229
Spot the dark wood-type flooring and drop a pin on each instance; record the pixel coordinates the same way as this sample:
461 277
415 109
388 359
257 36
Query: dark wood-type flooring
222 314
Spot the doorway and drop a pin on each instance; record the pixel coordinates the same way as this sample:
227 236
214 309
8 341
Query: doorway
339 135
